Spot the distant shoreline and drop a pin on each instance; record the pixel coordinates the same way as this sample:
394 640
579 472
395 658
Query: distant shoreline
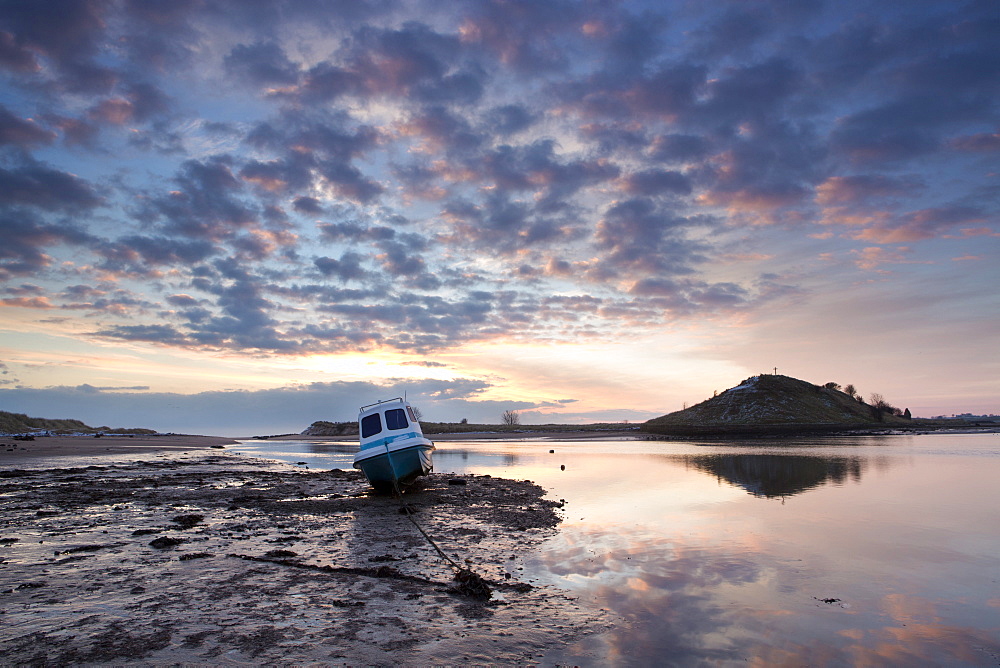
526 434
800 430
13 451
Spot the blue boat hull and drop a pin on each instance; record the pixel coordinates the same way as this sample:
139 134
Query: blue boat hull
402 465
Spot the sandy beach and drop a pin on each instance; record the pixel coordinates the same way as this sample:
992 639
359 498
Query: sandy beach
13 452
163 550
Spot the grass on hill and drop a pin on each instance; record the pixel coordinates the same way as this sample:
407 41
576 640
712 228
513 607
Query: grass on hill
19 423
776 401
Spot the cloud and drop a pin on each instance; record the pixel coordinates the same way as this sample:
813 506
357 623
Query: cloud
207 204
261 64
921 225
845 190
310 177
24 133
638 235
873 257
520 33
984 142
656 182
137 103
288 409
69 39
347 268
138 254
26 237
34 184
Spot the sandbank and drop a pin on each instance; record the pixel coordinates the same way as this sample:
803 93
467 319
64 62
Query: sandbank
13 452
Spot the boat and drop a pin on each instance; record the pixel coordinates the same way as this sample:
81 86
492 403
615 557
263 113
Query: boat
393 449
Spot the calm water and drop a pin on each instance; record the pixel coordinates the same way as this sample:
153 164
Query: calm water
854 551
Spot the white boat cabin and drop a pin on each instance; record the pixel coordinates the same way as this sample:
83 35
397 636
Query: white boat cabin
387 421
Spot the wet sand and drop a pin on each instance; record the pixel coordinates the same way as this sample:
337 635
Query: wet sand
13 452
170 552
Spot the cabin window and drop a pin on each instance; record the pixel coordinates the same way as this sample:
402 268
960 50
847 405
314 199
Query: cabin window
370 425
395 419
409 409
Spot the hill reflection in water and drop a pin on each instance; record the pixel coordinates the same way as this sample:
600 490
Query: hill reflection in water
774 476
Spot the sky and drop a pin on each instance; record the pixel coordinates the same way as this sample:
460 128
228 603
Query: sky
231 217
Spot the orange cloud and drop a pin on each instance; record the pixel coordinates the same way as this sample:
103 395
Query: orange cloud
27 302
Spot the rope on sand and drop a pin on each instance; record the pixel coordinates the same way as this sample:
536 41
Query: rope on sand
469 582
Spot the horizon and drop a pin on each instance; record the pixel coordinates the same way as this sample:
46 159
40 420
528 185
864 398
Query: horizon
226 214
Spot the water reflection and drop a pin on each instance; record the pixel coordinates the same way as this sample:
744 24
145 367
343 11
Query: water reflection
777 476
886 552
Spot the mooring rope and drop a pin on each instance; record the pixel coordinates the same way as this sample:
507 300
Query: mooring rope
470 582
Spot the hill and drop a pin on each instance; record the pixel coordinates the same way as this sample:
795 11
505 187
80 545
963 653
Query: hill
775 405
19 423
324 428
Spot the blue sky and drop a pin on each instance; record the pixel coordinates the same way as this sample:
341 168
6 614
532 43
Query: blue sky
583 211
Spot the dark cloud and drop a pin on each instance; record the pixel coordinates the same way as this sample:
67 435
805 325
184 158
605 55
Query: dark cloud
26 238
347 268
152 333
68 35
679 148
657 181
326 82
331 136
755 92
208 202
981 142
355 232
316 149
509 118
182 300
278 175
413 61
261 64
639 235
308 205
30 183
137 103
23 133
523 34
15 56
858 188
733 32
139 253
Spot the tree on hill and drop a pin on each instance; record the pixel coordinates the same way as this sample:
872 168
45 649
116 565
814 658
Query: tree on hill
881 407
850 390
510 418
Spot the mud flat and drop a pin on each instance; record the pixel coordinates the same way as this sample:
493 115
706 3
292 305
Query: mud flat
15 452
210 558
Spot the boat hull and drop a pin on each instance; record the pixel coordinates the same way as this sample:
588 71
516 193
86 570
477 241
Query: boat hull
385 466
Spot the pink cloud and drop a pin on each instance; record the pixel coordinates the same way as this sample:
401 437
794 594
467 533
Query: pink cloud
919 225
983 142
842 190
873 257
27 302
